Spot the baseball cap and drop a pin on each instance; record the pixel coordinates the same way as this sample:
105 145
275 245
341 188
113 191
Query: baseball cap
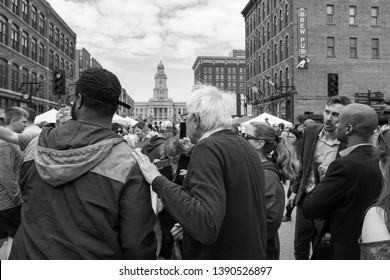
64 114
167 126
100 84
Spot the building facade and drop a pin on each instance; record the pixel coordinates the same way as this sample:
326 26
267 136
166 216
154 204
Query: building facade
125 98
226 73
34 41
159 108
301 52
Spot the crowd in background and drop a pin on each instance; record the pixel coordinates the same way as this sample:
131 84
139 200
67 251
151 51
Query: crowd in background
87 188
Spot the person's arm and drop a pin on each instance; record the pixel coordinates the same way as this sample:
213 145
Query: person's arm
374 226
200 212
9 136
274 199
137 218
327 194
8 177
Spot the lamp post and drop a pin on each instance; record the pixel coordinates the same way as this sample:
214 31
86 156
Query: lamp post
27 94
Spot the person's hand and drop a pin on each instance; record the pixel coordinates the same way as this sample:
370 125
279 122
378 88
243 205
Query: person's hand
148 169
183 172
177 232
291 199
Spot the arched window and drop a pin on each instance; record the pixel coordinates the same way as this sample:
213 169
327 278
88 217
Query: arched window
15 37
275 25
51 33
34 17
287 77
67 46
25 10
62 42
42 24
24 73
264 61
260 64
268 7
287 43
15 6
264 33
56 62
268 31
286 16
34 79
3 73
280 20
14 77
25 43
51 60
281 77
264 10
41 54
276 54
3 30
57 37
269 58
34 49
71 51
71 73
281 50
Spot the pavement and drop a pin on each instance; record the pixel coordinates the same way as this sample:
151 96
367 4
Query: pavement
286 236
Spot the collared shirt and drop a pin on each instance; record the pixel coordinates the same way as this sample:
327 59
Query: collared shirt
208 133
348 150
325 152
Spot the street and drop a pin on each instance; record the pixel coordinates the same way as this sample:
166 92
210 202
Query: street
286 236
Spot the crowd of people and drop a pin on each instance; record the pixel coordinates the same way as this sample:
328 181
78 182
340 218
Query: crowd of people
87 188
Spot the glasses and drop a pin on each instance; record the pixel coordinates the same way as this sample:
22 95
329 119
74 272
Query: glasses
119 131
246 136
72 98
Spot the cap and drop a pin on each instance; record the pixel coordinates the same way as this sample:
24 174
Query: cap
167 126
64 114
100 84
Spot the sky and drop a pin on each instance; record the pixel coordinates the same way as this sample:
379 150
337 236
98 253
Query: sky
130 37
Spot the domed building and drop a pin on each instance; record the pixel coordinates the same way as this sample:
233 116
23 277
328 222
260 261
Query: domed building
160 107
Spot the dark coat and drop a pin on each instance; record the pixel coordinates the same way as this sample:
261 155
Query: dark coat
306 153
352 183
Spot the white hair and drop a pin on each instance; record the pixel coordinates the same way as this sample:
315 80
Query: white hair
213 107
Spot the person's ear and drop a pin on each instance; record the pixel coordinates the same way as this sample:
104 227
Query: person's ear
349 129
260 144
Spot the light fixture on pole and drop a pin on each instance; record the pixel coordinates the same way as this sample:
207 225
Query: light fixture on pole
27 94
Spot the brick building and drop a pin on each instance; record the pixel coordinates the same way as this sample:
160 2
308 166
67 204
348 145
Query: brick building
226 73
300 52
34 40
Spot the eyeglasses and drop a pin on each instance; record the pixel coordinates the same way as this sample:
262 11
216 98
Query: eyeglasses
119 131
246 136
72 98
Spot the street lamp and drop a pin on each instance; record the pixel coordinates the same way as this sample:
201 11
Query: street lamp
27 94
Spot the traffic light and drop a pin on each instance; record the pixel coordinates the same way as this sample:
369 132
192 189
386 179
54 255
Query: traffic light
59 82
333 84
26 95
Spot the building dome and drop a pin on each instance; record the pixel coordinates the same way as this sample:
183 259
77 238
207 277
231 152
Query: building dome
160 66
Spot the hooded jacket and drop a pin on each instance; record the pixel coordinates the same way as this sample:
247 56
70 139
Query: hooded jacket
84 198
154 149
274 198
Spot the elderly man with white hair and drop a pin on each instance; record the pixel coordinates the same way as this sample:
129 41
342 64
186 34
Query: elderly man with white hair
221 206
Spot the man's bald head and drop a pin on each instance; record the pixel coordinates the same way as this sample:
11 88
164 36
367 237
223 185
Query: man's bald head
362 118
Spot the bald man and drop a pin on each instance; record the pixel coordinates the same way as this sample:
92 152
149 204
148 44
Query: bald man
352 183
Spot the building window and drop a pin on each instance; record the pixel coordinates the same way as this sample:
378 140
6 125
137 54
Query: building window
268 31
281 78
41 24
269 58
3 73
62 42
268 7
287 44
24 75
57 38
330 41
280 20
276 54
286 16
264 65
15 37
34 49
374 16
25 43
51 60
14 77
71 51
3 30
281 50
264 35
287 77
330 14
51 33
62 65
41 54
71 72
375 48
34 21
25 10
352 15
275 25
353 47
56 62
15 6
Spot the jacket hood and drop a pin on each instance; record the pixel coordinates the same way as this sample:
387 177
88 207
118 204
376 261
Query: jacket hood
154 143
269 165
66 152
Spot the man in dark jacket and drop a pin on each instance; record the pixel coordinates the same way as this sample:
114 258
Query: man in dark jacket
350 186
221 205
84 196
